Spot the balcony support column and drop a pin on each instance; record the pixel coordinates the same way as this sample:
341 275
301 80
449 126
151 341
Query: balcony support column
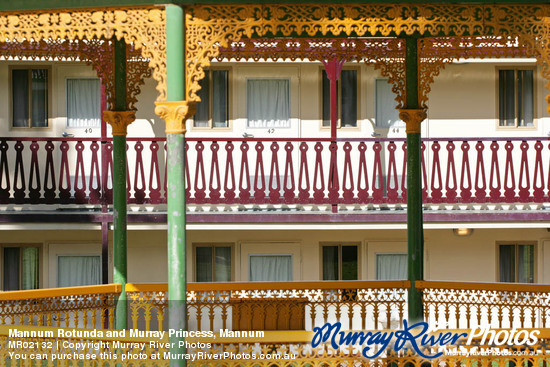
413 115
333 68
119 119
175 111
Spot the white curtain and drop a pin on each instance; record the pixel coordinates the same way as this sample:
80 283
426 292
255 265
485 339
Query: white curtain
75 271
391 266
387 116
270 268
268 103
83 103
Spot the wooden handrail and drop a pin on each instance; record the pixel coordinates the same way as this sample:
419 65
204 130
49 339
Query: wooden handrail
512 287
60 292
235 286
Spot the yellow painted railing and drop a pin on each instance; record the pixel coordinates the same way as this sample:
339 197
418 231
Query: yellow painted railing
501 305
83 307
274 305
358 305
273 349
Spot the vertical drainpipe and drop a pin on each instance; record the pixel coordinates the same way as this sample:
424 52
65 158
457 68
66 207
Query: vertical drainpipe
119 119
175 111
413 115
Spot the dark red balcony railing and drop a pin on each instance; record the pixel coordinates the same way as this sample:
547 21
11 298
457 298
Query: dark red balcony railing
278 171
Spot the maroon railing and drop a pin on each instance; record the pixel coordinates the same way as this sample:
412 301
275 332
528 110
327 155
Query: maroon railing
278 171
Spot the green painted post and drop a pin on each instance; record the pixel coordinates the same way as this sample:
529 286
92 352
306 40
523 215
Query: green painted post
177 280
415 238
119 190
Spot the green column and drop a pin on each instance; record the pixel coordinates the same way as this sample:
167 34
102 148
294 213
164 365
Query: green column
175 141
119 188
415 237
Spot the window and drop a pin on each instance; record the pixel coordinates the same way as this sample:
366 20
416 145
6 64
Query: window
29 88
340 262
213 263
517 263
346 95
270 267
213 109
20 268
515 99
387 116
391 266
268 103
83 103
78 270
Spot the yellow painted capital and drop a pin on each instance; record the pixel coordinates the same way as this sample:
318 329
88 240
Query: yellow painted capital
175 113
119 120
413 118
548 103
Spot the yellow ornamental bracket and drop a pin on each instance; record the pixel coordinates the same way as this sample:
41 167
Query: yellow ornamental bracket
175 113
119 120
413 118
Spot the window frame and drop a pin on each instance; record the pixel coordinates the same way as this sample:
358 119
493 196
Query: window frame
210 126
213 245
339 100
340 245
21 246
515 68
516 243
58 255
49 119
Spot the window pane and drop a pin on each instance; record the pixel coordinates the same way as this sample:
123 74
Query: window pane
270 268
219 98
203 264
202 115
326 99
386 114
526 263
20 96
525 98
223 264
391 266
76 271
349 98
506 106
29 279
507 264
330 263
39 86
83 103
349 262
11 268
268 103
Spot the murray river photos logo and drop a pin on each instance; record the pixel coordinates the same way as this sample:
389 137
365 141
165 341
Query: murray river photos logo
416 336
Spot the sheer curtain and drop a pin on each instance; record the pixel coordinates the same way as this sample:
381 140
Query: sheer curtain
270 268
83 103
386 115
391 266
268 103
74 271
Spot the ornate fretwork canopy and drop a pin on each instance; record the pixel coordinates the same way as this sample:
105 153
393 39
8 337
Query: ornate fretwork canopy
143 29
98 53
444 32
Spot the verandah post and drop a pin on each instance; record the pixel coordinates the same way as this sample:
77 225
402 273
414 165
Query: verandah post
175 111
413 115
119 118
